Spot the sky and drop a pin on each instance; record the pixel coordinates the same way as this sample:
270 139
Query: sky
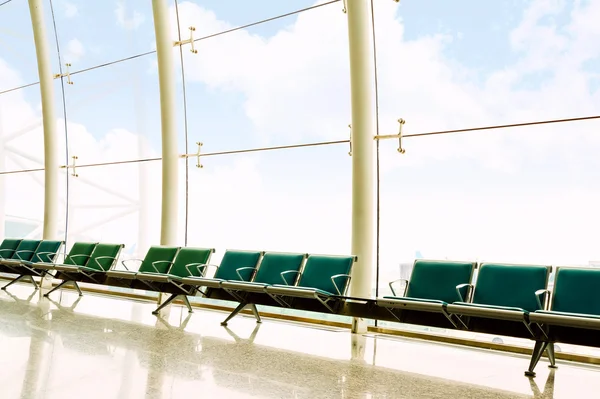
525 195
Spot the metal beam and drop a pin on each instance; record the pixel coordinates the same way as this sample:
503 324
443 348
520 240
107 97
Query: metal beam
51 163
166 78
363 167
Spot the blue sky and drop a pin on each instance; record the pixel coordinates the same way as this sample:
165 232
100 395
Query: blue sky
507 195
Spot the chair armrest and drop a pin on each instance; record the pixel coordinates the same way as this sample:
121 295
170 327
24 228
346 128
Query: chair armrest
245 268
77 256
296 272
47 254
391 284
103 257
348 278
160 261
460 287
538 294
21 251
130 260
200 268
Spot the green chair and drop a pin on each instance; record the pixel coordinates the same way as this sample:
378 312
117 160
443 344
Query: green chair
189 262
78 255
503 299
236 265
272 269
8 247
574 315
23 252
158 259
45 251
432 286
324 278
87 262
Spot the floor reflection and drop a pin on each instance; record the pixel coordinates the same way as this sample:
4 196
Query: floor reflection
103 347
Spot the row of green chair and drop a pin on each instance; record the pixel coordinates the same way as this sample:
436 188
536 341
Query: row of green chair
503 299
18 257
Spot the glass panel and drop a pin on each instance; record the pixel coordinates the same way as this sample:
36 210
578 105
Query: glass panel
113 113
126 25
17 47
257 88
117 204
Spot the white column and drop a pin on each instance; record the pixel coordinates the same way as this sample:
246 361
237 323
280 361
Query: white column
51 162
363 130
166 78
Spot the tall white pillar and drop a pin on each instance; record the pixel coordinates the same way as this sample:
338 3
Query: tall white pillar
166 78
51 162
363 129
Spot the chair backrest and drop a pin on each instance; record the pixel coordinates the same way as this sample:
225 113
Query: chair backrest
233 260
437 279
274 263
576 290
104 256
8 246
25 250
510 285
319 269
163 255
79 254
188 255
47 251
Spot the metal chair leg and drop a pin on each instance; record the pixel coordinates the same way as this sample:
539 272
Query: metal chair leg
21 277
167 302
255 311
187 303
56 288
538 350
551 355
234 313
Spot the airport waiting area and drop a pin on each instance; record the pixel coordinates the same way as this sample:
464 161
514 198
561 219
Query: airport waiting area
370 199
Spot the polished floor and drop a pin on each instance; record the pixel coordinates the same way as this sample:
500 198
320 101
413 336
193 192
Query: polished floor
106 347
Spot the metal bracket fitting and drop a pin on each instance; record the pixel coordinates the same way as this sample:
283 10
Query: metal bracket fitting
198 164
74 166
400 149
67 75
350 152
190 40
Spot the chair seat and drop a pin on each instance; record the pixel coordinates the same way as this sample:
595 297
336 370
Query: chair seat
244 286
202 282
302 292
487 311
126 274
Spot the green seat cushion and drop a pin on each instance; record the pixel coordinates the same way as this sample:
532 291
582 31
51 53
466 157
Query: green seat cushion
8 246
187 256
104 256
437 280
25 250
511 286
274 263
80 248
577 290
319 269
478 305
233 260
46 251
163 255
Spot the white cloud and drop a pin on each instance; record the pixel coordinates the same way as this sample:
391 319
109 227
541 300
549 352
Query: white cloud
75 50
71 10
126 20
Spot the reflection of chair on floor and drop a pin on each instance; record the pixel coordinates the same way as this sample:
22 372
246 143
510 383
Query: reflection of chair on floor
60 306
181 327
548 392
240 340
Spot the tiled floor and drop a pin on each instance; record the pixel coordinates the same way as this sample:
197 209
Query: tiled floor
104 347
